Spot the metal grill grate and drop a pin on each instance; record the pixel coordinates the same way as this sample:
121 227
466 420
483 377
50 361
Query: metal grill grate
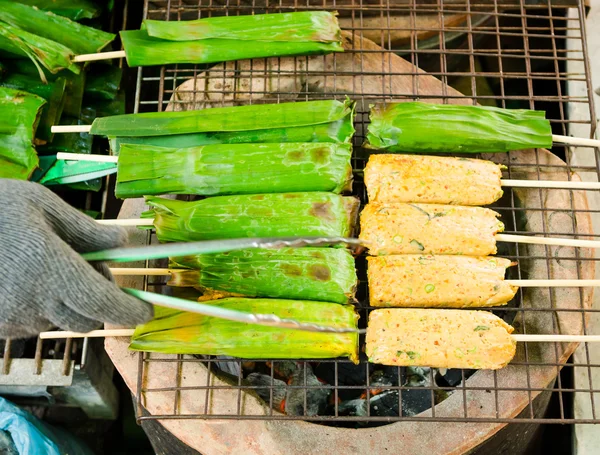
505 53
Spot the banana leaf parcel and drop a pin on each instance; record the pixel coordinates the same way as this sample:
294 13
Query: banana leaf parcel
323 274
233 169
177 332
73 9
448 128
19 116
220 39
256 215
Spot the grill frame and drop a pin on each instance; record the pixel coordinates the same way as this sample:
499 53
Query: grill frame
154 86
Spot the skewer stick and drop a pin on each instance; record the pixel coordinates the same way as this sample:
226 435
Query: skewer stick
129 332
510 238
99 56
85 157
137 271
566 184
71 128
580 141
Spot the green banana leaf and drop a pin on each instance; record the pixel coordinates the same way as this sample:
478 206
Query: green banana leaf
305 26
324 274
338 131
311 214
19 116
73 9
102 82
52 92
233 169
41 51
415 127
178 332
81 39
69 172
224 119
144 50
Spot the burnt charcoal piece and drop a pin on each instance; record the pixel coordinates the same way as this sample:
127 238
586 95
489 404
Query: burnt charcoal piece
278 387
451 377
417 377
415 401
386 377
385 404
317 394
284 369
349 374
353 408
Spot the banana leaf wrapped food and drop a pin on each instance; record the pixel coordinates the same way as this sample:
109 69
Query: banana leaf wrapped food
233 169
19 116
256 215
49 40
439 338
432 180
415 127
53 92
414 280
219 39
323 274
400 228
308 121
72 9
177 332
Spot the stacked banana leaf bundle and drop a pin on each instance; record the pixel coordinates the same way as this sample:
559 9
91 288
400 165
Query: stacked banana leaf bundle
38 39
219 39
268 171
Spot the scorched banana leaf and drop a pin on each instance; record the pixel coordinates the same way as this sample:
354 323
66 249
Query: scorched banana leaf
233 169
324 274
19 116
176 332
432 128
257 215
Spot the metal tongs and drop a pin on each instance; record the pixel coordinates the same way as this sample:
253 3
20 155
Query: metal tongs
222 246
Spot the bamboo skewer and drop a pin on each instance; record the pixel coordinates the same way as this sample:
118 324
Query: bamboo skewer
567 184
99 56
523 338
510 238
565 140
140 271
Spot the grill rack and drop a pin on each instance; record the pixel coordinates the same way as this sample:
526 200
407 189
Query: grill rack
558 22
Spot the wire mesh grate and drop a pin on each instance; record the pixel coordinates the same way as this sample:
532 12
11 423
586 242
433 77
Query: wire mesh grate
513 54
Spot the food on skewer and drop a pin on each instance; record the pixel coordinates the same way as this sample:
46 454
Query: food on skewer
233 169
47 39
257 215
439 339
438 281
221 39
19 117
450 128
432 180
178 332
399 228
324 274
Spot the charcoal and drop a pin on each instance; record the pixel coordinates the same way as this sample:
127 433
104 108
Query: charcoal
450 378
386 377
415 401
277 386
353 408
285 368
417 377
349 374
316 393
385 404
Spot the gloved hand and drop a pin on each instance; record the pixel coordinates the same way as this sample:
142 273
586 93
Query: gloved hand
44 281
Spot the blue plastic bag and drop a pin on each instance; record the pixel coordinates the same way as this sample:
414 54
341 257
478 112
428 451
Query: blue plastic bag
33 437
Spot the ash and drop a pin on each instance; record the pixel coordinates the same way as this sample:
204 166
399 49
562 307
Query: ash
338 388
